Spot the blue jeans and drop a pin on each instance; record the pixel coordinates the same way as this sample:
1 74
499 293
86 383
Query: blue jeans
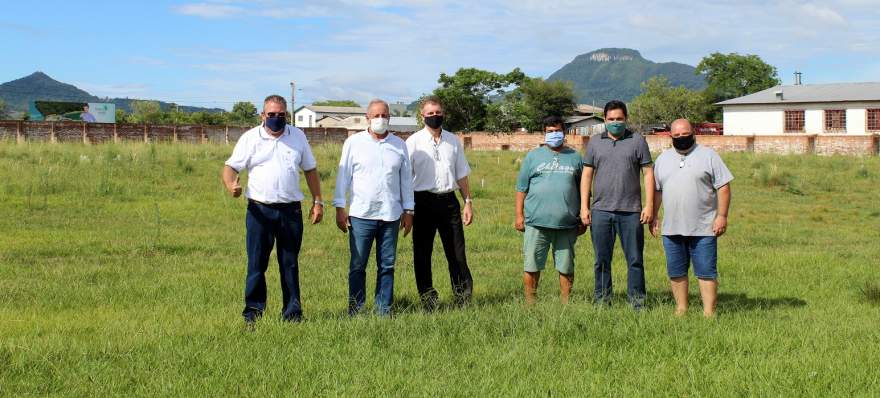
361 236
606 225
268 225
682 250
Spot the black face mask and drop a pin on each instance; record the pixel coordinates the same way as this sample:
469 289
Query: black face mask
434 122
684 142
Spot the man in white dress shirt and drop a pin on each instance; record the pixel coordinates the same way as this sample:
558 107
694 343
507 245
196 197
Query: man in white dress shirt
273 155
375 171
439 169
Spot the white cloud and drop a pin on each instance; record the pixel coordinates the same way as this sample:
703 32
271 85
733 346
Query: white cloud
209 10
823 15
397 49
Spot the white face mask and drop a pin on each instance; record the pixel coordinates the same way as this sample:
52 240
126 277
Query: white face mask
378 125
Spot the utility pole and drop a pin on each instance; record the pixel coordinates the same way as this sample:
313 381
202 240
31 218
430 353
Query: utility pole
292 108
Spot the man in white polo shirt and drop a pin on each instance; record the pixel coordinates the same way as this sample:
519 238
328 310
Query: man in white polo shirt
439 169
375 170
273 155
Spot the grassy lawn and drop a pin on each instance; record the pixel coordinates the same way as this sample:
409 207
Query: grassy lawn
122 268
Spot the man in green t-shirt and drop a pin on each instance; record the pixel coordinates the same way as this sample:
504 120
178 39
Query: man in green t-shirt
547 208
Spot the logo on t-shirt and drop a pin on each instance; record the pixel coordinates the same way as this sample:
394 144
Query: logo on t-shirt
553 167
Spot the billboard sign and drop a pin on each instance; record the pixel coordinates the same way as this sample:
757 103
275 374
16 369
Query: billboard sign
90 112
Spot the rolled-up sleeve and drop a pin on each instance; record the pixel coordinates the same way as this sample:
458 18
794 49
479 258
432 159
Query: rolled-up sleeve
407 198
240 154
343 176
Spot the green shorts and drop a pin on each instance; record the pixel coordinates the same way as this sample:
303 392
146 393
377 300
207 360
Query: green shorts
537 243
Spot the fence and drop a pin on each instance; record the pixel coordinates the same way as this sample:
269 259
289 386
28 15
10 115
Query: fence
95 133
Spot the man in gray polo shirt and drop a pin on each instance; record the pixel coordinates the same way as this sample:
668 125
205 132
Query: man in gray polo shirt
694 187
612 166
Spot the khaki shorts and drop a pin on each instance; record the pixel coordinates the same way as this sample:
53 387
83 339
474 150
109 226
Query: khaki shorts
537 243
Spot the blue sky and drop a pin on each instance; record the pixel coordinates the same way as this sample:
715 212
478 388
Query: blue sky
216 52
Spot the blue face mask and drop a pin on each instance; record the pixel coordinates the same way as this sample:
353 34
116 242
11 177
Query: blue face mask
616 128
276 124
554 139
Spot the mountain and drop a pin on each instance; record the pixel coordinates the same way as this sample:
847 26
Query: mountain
17 94
617 73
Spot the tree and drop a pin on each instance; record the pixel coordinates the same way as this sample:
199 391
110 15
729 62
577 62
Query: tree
122 116
243 112
527 105
348 103
659 102
3 112
146 112
734 75
467 93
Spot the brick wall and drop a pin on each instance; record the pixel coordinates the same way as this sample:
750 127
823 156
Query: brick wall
77 132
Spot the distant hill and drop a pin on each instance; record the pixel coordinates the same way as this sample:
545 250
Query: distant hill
17 94
617 73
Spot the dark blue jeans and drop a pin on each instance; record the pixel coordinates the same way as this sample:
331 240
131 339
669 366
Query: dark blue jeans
606 226
361 236
268 225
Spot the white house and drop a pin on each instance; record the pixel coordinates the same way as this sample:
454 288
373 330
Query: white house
309 115
582 125
839 108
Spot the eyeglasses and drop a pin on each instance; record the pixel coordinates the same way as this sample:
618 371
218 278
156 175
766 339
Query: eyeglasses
276 114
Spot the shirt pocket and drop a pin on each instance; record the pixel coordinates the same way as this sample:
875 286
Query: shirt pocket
290 160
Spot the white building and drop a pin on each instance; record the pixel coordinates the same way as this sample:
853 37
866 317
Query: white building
309 115
840 108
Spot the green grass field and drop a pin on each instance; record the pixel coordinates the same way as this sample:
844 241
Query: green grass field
122 267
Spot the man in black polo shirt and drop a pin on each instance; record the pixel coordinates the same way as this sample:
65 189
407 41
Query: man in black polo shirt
611 174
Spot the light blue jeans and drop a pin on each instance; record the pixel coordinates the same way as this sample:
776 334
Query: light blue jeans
361 236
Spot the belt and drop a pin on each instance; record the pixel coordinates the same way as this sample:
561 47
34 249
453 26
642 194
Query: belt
441 195
287 204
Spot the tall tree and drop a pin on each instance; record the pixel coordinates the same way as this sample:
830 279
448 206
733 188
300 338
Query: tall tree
467 93
527 105
659 102
348 103
243 112
146 112
734 75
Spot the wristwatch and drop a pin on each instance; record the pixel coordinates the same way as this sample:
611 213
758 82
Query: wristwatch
468 200
409 212
318 202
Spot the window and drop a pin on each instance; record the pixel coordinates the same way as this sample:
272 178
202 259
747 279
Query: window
299 118
794 121
873 119
835 121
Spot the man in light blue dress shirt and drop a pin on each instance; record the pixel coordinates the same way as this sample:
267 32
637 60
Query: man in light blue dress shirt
375 171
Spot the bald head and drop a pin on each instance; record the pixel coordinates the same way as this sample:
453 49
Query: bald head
681 127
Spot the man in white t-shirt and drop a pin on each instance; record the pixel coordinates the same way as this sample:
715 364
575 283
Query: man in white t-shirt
439 169
273 154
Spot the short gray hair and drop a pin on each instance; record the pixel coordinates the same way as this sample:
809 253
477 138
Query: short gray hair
275 98
378 101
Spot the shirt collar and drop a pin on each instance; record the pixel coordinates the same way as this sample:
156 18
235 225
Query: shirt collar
266 136
443 132
626 134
